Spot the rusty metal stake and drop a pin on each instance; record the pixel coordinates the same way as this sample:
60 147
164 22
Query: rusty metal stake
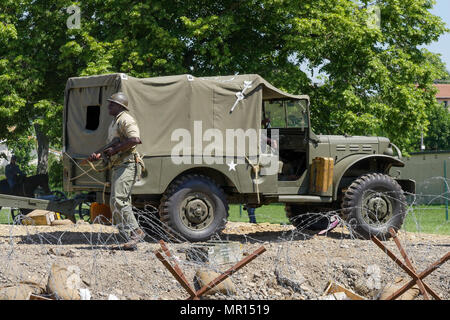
421 275
410 265
179 275
230 271
175 270
409 269
175 266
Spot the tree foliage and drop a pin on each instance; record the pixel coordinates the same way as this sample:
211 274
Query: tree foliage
376 81
446 76
438 137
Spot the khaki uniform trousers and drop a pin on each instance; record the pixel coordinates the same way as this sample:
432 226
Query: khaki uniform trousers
123 178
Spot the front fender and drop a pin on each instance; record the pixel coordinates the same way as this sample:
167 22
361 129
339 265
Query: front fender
384 163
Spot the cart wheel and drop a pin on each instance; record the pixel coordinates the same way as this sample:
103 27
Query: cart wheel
16 215
83 213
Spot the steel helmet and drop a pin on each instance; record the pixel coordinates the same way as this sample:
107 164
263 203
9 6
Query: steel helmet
120 98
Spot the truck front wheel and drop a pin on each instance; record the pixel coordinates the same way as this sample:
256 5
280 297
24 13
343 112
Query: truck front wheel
373 204
194 208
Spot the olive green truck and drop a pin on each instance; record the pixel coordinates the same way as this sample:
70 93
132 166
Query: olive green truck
214 141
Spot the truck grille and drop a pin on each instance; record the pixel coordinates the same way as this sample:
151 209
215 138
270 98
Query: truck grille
354 148
341 147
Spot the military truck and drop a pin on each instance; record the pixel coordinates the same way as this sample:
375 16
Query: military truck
199 149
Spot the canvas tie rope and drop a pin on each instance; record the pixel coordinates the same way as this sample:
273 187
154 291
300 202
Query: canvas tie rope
240 95
256 169
86 172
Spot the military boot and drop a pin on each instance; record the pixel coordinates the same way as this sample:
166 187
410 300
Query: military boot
137 236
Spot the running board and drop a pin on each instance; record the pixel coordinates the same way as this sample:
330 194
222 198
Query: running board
304 199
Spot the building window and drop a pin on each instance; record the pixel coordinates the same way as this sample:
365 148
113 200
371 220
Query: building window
446 103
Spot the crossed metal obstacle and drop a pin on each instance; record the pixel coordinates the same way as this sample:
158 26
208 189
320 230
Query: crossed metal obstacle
409 269
406 266
180 277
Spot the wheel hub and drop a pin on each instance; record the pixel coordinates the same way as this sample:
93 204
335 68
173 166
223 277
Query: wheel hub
196 211
378 208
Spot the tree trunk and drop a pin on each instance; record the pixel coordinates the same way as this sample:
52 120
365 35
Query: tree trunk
42 152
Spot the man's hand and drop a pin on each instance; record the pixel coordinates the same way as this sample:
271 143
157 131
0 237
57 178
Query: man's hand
115 148
95 156
108 152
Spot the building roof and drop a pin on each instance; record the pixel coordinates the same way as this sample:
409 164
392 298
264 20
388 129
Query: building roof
444 90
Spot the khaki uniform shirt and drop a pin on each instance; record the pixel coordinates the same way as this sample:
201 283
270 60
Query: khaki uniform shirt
124 126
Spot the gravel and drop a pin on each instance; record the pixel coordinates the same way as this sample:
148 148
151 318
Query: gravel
295 265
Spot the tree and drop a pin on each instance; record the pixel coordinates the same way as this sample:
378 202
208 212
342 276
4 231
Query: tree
446 76
438 132
376 79
30 89
435 59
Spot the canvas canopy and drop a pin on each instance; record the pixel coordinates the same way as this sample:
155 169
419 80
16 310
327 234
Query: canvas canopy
162 105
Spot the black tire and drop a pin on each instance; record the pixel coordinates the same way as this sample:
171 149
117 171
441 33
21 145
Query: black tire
373 204
149 221
306 217
194 208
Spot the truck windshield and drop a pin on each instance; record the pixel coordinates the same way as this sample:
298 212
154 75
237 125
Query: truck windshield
285 114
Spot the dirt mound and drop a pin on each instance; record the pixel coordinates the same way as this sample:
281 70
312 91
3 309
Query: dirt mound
296 265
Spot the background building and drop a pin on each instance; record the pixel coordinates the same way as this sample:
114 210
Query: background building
443 96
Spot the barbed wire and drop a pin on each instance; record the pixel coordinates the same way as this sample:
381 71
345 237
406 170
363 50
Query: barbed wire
298 263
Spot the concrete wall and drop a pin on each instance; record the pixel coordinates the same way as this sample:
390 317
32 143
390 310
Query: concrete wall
427 169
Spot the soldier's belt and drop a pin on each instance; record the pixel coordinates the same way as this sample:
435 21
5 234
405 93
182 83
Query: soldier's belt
122 157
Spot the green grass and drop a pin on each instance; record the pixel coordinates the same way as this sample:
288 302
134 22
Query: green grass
5 216
427 219
272 214
423 219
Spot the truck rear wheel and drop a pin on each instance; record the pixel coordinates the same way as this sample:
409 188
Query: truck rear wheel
194 208
373 204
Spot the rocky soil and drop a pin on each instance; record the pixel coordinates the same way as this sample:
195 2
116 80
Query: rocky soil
294 266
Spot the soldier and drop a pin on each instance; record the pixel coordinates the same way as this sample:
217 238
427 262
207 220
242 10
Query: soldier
11 172
251 213
126 169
